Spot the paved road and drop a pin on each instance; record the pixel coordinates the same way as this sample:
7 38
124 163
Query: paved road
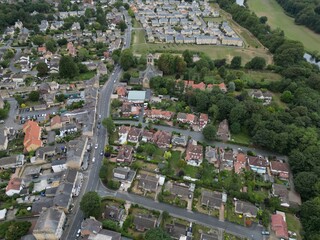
254 232
198 136
10 121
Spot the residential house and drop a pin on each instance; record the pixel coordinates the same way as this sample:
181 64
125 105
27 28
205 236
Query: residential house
222 86
123 133
4 132
176 230
281 191
104 234
191 84
43 152
213 199
121 173
148 182
159 114
211 156
50 224
246 208
144 222
90 226
258 164
12 161
63 196
71 49
134 135
162 139
41 205
102 69
227 160
121 91
279 226
223 132
280 169
59 165
18 78
240 162
125 154
15 185
211 236
203 120
32 139
43 25
147 136
113 213
55 122
42 50
75 152
186 118
194 153
179 140
182 189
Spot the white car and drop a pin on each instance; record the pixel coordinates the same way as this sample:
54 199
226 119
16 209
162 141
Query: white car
93 159
78 233
96 146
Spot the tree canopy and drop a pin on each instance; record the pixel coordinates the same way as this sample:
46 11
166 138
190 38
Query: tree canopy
157 233
67 67
91 204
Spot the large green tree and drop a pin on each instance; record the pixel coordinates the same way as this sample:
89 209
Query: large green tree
209 132
42 69
91 204
127 59
34 96
67 67
109 125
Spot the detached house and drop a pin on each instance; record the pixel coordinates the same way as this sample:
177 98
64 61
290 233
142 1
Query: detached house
186 118
203 120
32 139
223 132
148 182
213 199
125 154
144 222
194 154
55 122
280 169
162 139
246 208
279 226
258 164
134 135
14 186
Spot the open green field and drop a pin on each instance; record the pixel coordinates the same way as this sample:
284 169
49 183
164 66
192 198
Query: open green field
293 224
215 52
278 19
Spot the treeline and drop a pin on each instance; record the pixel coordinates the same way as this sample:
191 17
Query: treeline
294 131
10 13
305 12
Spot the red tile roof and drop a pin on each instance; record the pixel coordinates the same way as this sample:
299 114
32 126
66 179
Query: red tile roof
32 136
279 226
14 184
55 120
121 91
279 166
241 158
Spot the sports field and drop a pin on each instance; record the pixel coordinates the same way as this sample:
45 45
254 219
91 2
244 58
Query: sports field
278 19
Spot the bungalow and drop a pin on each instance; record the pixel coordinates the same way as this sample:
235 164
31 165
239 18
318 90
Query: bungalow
162 139
194 154
125 154
182 189
213 199
134 135
280 169
177 230
279 226
223 132
159 114
246 208
14 186
148 182
144 222
258 164
121 173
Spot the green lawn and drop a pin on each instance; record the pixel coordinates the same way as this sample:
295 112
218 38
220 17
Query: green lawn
259 76
87 75
139 37
215 52
136 24
294 224
241 138
278 19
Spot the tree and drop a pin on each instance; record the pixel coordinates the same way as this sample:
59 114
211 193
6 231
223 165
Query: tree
231 87
236 62
109 125
122 26
188 58
42 69
209 132
127 59
263 19
67 67
150 149
38 40
305 183
17 229
257 63
287 97
167 155
34 96
51 45
91 204
126 76
310 218
157 233
60 97
62 42
83 54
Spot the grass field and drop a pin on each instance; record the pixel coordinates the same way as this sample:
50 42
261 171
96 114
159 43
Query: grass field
261 76
278 19
293 224
215 52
